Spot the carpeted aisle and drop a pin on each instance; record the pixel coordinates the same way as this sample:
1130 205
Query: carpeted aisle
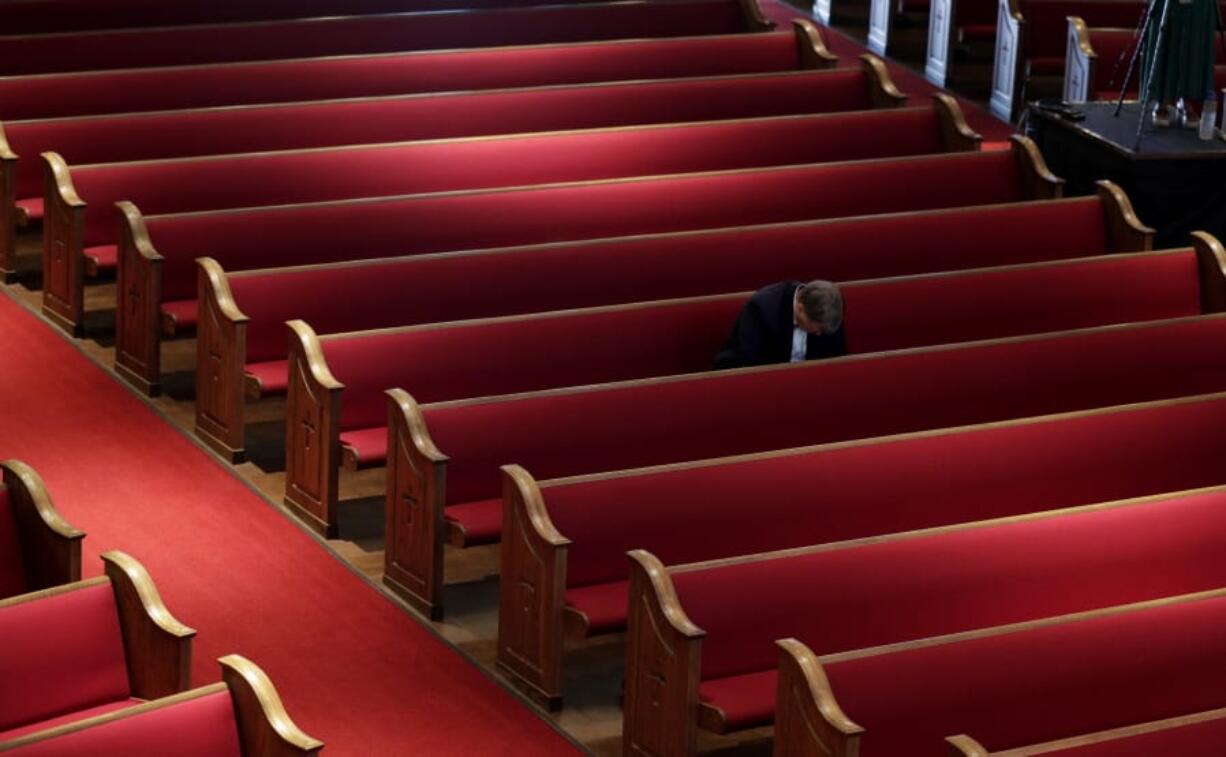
354 670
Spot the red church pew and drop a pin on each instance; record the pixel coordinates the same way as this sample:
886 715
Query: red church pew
1090 70
523 353
449 165
417 224
442 486
567 538
38 548
83 197
1198 735
705 632
115 643
138 90
241 345
1018 684
376 33
240 717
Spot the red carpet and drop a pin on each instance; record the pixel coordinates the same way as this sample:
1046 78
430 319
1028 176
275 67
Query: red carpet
354 670
994 130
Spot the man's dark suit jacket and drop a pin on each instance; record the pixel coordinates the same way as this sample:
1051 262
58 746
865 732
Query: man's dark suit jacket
762 333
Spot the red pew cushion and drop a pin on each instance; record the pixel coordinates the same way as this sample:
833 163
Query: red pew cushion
61 653
604 605
12 572
481 521
273 376
33 206
70 717
103 257
200 727
370 444
183 314
747 701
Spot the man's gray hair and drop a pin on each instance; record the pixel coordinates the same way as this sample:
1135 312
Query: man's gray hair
823 303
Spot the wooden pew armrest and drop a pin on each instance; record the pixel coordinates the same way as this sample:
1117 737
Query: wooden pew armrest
1125 232
956 134
415 526
808 719
264 727
532 590
63 247
663 664
811 47
964 746
881 90
221 353
1038 182
312 436
138 293
158 647
51 548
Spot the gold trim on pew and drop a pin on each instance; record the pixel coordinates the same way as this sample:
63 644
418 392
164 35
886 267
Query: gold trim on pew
312 437
264 727
956 134
221 351
63 235
811 46
881 90
138 286
414 509
51 547
532 563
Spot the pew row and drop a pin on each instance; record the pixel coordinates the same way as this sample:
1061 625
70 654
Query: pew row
700 637
1093 69
115 644
160 136
241 716
1198 735
1033 681
241 345
418 224
375 33
439 362
136 90
563 555
38 548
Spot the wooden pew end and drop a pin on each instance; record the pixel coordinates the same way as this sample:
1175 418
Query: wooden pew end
808 719
51 547
138 284
1211 260
964 746
264 727
158 647
1125 232
312 434
532 591
221 351
1037 179
881 90
811 47
413 512
755 19
63 243
956 133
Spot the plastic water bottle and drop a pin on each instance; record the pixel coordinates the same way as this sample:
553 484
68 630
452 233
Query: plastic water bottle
1208 117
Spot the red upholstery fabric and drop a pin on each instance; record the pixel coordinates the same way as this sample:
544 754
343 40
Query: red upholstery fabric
104 256
342 35
12 572
370 444
481 521
747 701
151 89
1039 685
301 234
1197 740
201 727
571 348
625 270
60 654
183 312
33 207
273 376
1100 457
604 605
71 717
916 588
286 177
630 425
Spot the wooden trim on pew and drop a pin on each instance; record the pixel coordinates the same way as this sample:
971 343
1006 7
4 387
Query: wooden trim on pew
956 134
881 90
964 746
50 546
138 297
264 727
157 646
1125 232
533 594
413 511
811 49
1080 62
755 20
221 353
1039 181
1211 262
312 434
10 217
808 719
817 733
1009 61
35 596
63 235
663 660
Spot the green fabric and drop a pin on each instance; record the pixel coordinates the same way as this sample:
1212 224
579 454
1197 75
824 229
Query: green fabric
1185 66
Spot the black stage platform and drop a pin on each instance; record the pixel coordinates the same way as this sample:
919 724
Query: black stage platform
1176 181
